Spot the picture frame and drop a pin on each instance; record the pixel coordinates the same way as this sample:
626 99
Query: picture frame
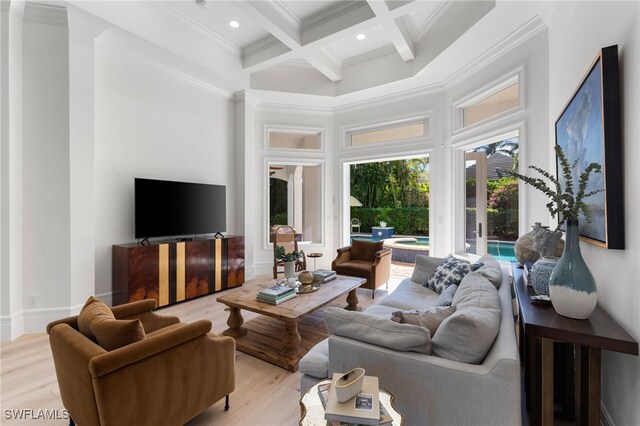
588 130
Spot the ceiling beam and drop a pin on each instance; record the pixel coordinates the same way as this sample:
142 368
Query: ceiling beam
397 33
272 20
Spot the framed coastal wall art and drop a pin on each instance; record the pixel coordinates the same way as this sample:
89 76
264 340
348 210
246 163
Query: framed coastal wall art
588 130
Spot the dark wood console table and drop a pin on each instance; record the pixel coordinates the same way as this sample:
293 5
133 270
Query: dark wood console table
540 327
174 271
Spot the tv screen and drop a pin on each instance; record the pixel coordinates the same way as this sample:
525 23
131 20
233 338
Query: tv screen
166 208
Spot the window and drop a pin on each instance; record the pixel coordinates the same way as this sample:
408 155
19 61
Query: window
498 99
295 139
295 199
389 134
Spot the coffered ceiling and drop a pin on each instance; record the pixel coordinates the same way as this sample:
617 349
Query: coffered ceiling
326 48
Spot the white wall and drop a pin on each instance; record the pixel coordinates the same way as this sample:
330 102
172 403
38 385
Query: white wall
47 262
11 153
577 31
152 122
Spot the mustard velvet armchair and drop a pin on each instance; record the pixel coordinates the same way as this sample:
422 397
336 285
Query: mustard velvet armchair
171 376
365 259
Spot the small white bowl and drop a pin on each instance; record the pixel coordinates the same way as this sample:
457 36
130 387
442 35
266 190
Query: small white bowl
349 384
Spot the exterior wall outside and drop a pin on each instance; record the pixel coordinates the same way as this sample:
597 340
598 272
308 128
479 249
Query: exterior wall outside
577 31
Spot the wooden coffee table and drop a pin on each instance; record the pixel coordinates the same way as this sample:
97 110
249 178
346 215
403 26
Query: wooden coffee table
284 333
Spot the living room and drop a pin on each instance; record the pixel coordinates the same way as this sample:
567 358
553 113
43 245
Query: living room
94 96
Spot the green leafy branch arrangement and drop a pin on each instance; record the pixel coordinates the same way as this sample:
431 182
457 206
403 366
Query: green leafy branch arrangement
286 257
565 203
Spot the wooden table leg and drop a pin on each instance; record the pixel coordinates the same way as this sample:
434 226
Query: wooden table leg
588 364
291 338
542 410
352 300
235 322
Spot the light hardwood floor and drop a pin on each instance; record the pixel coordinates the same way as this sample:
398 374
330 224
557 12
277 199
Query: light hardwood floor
264 394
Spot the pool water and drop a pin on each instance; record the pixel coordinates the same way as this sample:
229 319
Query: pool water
502 250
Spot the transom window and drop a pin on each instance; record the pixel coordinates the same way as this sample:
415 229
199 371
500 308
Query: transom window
389 134
500 98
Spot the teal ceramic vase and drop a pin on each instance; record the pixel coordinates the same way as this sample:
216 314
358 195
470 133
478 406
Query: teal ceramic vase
572 288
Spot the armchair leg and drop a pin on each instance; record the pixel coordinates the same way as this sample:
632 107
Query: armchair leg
373 293
387 286
71 422
226 403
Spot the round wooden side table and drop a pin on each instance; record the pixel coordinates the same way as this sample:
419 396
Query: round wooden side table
314 256
312 410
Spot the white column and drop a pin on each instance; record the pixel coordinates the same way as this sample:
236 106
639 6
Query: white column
11 210
247 201
297 199
83 31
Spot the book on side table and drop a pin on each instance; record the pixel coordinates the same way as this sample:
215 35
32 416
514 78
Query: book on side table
363 409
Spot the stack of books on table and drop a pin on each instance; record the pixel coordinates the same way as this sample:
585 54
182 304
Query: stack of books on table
324 275
363 409
276 294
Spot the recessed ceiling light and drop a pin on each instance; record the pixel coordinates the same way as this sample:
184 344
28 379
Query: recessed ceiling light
234 24
361 36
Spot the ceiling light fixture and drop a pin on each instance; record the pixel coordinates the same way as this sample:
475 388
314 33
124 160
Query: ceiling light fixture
361 36
234 24
202 3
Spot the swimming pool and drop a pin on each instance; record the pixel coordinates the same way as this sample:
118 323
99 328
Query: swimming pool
502 250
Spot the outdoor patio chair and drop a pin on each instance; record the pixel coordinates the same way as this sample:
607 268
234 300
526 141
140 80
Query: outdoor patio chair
355 225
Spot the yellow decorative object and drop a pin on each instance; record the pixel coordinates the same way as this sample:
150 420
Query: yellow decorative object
305 277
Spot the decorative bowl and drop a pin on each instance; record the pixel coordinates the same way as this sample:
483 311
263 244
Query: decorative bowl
305 277
349 384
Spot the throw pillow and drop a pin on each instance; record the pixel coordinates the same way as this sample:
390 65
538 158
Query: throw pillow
94 310
449 272
428 318
425 267
446 297
468 334
113 334
377 331
490 269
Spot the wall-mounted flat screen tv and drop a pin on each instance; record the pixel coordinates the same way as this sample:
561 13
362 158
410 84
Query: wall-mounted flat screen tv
167 208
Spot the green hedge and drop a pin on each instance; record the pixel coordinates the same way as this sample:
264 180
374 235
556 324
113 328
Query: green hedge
404 220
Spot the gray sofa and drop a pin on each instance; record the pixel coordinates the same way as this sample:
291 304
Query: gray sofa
440 379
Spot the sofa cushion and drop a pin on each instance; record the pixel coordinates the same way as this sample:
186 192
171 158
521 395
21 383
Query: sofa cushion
356 268
316 362
449 272
425 267
410 295
377 331
446 297
428 318
490 269
468 334
365 250
113 334
94 310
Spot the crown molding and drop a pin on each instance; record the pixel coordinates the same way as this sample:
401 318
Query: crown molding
392 98
244 96
293 109
369 56
286 13
327 15
442 8
46 14
513 40
258 46
15 7
194 81
333 55
197 26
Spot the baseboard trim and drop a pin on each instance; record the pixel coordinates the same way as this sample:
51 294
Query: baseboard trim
36 320
11 326
605 417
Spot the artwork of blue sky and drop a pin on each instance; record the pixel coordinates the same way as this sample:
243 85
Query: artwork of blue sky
579 131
